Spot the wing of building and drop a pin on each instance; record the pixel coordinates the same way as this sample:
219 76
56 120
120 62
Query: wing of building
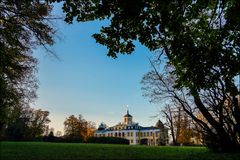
136 134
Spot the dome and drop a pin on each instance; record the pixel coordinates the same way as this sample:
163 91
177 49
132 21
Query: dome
102 126
159 124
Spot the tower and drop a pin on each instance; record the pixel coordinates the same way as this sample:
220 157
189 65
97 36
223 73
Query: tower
127 118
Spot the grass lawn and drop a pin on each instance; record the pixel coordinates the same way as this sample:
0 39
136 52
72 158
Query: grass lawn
76 151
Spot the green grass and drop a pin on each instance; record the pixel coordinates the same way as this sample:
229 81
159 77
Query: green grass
71 151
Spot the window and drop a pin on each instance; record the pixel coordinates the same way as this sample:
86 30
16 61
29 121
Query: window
128 134
131 134
150 133
123 134
156 134
147 134
131 141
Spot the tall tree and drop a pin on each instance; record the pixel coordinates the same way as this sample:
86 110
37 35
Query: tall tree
169 115
201 39
179 123
78 127
71 127
159 87
23 26
38 123
18 123
26 123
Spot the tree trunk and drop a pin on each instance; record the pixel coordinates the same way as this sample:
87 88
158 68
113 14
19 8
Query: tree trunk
223 142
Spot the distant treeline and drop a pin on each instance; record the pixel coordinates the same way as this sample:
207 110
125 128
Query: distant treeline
28 124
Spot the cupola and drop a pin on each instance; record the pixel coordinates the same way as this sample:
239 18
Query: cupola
127 118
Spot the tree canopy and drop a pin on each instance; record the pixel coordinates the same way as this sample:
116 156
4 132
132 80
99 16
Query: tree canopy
201 40
25 123
23 26
78 127
177 27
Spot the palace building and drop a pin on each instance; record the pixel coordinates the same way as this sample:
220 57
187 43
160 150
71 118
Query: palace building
136 134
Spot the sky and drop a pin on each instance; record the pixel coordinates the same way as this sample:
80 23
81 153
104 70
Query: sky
84 80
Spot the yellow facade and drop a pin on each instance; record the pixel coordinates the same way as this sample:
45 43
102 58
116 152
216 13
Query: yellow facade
135 133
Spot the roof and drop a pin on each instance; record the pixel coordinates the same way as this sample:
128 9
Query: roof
127 115
102 126
126 128
159 124
148 128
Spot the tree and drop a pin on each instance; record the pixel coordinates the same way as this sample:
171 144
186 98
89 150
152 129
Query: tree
170 122
159 87
179 124
173 122
201 41
50 137
18 123
78 127
73 126
38 123
23 26
90 129
186 130
26 123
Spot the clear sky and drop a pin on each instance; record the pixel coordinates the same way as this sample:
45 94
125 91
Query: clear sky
85 81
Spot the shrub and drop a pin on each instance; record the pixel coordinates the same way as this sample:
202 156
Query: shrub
107 140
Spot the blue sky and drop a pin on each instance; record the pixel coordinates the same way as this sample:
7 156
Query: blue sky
85 81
